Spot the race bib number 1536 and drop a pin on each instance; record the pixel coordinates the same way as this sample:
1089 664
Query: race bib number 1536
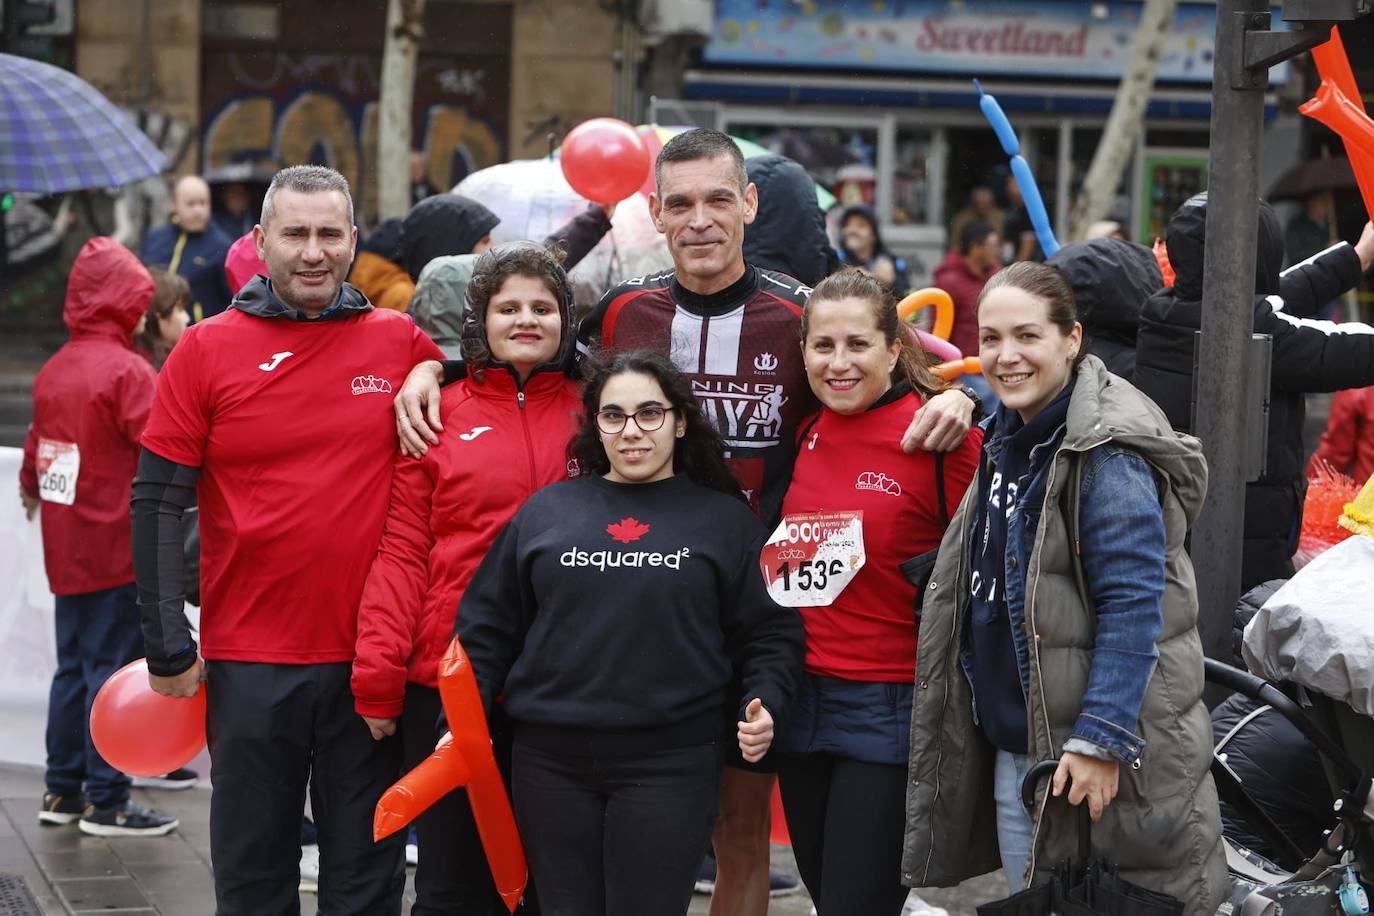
812 556
59 465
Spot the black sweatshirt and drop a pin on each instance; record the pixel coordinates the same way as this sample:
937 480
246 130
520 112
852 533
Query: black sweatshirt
615 617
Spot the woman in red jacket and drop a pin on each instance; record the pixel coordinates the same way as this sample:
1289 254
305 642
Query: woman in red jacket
506 431
862 521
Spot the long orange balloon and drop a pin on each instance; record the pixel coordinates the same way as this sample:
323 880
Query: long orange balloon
930 296
466 760
1334 66
957 367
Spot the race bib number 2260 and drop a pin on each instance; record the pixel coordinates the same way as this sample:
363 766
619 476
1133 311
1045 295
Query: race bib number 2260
58 466
812 556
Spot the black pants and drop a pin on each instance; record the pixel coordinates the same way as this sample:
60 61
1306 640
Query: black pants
453 878
97 634
272 729
847 820
615 836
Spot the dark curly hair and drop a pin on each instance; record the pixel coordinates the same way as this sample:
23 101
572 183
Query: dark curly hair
493 268
700 453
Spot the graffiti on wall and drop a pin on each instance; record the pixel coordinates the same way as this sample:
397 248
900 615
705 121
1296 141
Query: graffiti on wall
286 108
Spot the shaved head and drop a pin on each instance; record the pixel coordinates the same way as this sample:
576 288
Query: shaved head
191 203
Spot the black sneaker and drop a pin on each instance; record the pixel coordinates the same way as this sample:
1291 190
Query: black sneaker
706 878
181 778
62 809
780 884
130 820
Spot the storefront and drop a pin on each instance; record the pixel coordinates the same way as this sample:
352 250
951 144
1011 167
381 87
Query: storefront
876 96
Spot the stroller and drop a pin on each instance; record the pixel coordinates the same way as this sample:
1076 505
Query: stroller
1311 636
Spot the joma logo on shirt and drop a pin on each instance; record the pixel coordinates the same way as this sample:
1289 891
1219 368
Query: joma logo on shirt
370 384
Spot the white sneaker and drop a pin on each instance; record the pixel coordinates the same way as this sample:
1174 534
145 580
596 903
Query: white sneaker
310 869
915 906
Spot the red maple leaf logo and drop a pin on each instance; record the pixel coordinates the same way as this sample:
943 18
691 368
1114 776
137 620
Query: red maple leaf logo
627 530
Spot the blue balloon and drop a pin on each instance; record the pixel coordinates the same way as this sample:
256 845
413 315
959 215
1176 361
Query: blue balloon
998 119
1020 170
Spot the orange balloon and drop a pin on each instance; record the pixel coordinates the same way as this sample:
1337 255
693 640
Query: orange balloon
141 732
1342 111
466 760
930 296
969 365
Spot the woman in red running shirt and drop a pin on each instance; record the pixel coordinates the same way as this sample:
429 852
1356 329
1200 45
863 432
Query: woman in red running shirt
843 749
505 434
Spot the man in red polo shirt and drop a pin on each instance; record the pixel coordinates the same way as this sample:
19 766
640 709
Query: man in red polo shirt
279 412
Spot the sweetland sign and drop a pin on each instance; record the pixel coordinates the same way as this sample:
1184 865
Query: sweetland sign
1051 39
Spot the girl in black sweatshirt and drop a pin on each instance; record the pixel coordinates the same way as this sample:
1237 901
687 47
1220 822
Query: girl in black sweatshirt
615 614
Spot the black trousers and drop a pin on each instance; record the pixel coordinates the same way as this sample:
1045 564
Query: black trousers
272 730
847 820
453 878
615 836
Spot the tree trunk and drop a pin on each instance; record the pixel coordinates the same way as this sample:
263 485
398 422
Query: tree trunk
404 28
1128 109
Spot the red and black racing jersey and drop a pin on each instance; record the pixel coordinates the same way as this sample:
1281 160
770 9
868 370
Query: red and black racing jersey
740 350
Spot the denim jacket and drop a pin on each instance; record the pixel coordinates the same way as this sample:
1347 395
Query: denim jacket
1122 558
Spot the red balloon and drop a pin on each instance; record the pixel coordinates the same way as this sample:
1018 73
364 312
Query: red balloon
143 733
605 160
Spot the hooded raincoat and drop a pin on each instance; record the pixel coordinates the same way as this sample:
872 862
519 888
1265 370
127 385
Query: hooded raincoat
1163 828
90 404
1308 356
1111 279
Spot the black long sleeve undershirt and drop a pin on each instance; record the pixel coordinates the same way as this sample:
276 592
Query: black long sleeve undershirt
163 491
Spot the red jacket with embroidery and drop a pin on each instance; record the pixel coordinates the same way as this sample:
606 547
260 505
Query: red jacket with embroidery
95 394
446 510
855 462
1348 442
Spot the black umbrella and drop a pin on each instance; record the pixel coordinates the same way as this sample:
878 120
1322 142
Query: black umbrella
1081 887
1328 173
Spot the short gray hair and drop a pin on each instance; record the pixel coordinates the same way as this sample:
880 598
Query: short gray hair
702 143
306 179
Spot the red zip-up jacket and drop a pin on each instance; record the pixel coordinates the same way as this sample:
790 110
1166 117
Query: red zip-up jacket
92 400
499 445
1348 442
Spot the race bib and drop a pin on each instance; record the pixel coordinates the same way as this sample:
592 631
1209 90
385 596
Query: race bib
59 464
812 557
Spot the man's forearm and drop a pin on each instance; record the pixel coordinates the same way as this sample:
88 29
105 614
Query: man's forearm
162 492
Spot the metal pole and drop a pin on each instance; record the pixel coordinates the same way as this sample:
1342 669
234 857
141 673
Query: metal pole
1228 290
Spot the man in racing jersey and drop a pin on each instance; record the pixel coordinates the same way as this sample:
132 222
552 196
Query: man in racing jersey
733 329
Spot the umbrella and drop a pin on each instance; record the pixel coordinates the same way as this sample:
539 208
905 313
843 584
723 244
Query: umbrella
1085 887
1328 173
58 133
532 198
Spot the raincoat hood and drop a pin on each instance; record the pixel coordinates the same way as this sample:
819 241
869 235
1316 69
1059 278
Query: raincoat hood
1111 279
440 225
788 234
258 299
1104 407
108 291
440 300
474 346
385 239
1187 237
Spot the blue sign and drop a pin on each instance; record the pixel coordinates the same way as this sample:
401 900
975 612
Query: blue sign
1075 40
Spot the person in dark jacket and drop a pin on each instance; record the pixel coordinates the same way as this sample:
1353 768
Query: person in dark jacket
861 244
377 270
615 614
1308 356
90 405
788 235
1111 279
194 247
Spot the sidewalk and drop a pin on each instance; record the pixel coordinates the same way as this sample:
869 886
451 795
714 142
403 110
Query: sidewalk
69 873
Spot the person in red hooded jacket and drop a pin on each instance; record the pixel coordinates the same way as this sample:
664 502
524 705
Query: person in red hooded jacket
506 431
90 404
1348 443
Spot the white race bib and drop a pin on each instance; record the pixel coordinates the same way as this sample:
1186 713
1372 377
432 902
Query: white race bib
812 557
59 464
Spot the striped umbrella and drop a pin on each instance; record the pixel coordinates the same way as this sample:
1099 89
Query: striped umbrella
58 133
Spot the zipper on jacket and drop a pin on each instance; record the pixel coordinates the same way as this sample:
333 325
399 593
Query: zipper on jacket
525 428
1034 637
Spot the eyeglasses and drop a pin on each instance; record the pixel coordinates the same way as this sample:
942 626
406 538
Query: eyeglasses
648 419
